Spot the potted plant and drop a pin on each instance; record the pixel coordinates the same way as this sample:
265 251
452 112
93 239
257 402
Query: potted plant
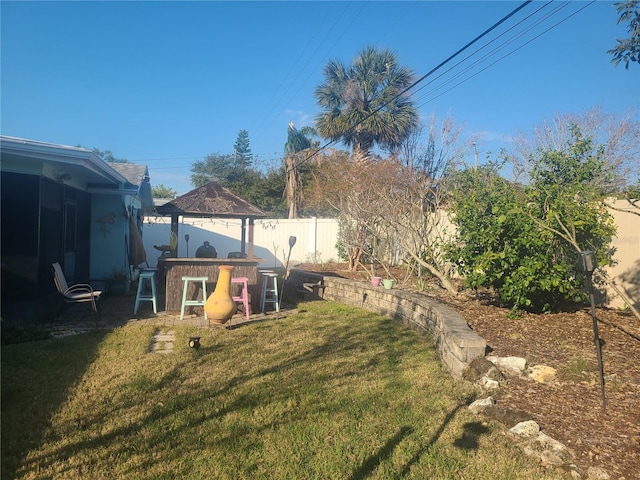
118 281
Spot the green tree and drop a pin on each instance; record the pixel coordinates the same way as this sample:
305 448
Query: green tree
263 191
298 142
364 104
160 191
266 193
524 240
628 50
225 169
215 167
242 151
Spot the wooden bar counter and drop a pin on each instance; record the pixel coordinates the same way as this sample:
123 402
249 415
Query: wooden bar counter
173 269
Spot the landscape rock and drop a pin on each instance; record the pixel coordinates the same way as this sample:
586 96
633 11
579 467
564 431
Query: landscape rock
479 368
548 450
481 405
510 364
526 429
542 373
507 416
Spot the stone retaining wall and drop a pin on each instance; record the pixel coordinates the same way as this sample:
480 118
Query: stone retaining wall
456 343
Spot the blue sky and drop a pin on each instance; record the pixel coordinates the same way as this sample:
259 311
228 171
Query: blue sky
167 83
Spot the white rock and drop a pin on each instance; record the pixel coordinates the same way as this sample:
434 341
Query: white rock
548 450
516 364
526 429
481 405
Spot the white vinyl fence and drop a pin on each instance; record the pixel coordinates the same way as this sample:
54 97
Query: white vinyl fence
316 238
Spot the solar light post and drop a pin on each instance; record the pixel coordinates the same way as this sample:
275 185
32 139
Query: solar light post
186 239
588 264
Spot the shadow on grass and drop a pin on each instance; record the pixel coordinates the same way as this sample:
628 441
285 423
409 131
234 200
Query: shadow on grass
470 435
53 367
450 416
469 440
372 462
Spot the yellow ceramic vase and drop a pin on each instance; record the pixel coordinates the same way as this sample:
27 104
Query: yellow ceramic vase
220 306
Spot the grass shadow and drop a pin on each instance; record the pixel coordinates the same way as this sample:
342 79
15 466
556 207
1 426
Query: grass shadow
369 465
54 367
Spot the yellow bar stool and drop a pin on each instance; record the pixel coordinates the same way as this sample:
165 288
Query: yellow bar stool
146 295
194 302
269 290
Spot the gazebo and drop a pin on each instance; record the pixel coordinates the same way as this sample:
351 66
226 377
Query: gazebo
213 200
210 200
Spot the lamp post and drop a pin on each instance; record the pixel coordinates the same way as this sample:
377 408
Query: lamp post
186 239
588 264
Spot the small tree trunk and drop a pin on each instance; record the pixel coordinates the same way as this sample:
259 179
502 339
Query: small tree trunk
291 188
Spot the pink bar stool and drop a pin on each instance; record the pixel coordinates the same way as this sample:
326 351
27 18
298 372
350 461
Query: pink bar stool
244 294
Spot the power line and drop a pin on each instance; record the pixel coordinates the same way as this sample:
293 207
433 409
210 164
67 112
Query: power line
502 57
425 76
309 57
489 43
494 51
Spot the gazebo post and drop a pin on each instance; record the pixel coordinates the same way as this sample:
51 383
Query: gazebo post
251 224
174 230
243 237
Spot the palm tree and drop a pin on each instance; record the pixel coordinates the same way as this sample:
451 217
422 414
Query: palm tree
363 104
297 141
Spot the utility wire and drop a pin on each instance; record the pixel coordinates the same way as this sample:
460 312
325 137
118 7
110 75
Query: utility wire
327 34
496 49
501 58
425 76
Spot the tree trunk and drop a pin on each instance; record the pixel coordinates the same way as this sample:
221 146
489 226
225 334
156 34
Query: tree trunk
291 186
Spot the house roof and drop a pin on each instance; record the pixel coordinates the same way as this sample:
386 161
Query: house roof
133 172
138 177
211 200
42 158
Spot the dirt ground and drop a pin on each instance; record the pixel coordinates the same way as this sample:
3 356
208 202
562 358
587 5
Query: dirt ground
570 408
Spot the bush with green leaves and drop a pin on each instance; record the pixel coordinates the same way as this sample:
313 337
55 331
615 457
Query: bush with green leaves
524 240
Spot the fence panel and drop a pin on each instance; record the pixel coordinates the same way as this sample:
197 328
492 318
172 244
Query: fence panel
316 238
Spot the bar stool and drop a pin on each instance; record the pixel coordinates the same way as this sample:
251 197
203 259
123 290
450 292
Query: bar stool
244 294
193 303
143 295
269 290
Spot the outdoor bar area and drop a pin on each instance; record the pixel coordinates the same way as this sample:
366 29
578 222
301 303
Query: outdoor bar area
173 269
210 200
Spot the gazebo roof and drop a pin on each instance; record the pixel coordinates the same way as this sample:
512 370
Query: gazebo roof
211 200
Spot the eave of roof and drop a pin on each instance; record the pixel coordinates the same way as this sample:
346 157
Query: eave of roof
77 158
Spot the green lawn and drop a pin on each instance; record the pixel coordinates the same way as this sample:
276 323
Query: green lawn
332 392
